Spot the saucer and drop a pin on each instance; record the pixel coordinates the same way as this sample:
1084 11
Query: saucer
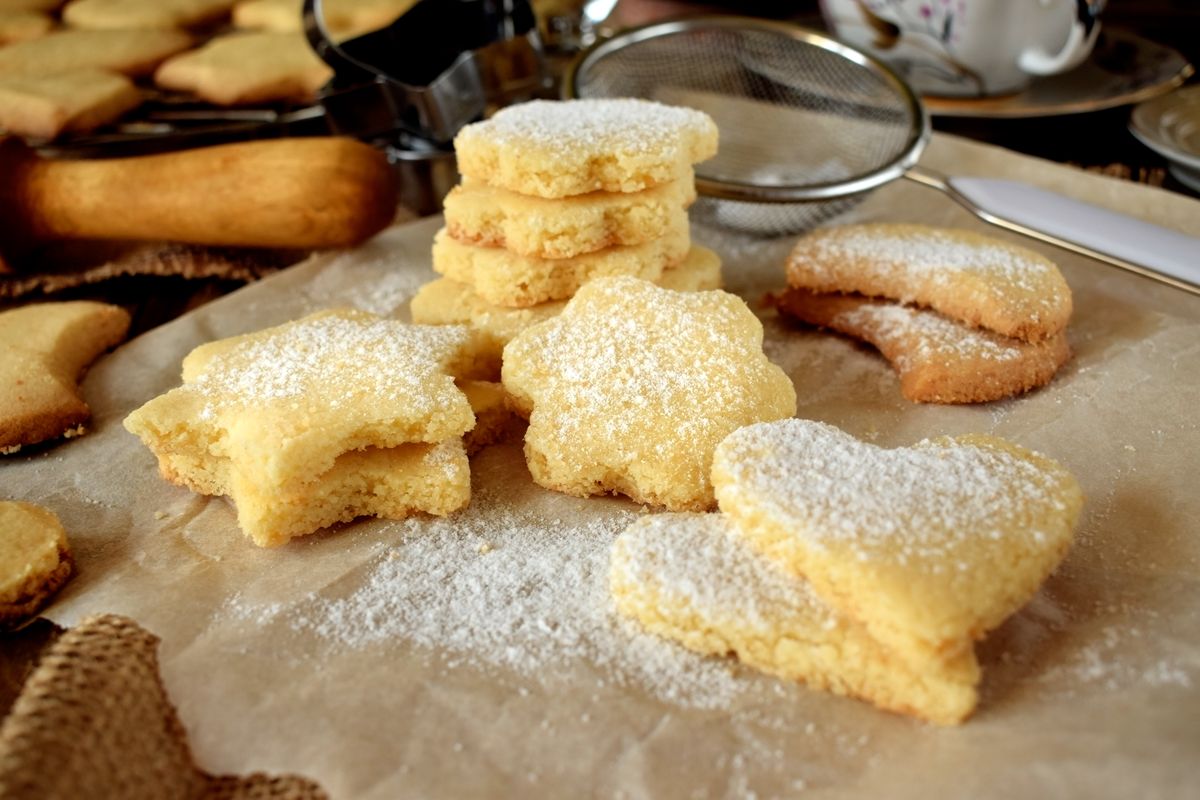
1123 68
1170 126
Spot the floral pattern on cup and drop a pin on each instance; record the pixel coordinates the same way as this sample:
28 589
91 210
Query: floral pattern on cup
969 47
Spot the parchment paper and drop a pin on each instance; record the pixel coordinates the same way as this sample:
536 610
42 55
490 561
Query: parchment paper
1092 690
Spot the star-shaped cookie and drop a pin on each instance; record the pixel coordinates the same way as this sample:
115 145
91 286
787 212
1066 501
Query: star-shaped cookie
336 415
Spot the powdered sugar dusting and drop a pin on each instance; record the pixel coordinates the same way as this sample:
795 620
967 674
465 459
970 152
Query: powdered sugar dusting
329 361
638 377
932 251
834 488
501 584
926 335
615 126
915 259
386 295
694 561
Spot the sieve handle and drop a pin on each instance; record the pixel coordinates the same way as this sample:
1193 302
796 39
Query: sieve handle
1150 250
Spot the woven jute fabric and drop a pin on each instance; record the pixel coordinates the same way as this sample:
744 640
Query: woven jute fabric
94 720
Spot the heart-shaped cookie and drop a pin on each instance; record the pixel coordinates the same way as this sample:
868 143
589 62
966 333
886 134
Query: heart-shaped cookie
928 546
690 578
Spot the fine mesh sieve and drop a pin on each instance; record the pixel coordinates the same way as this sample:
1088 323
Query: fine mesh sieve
808 125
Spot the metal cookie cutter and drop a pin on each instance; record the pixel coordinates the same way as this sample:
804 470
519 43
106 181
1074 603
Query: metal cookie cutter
411 86
433 70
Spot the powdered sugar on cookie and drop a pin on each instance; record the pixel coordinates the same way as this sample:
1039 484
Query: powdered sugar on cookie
688 577
559 149
928 546
632 386
838 489
978 280
327 361
936 336
623 125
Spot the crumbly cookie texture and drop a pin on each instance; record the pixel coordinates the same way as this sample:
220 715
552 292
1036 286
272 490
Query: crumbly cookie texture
539 228
447 302
939 360
358 414
388 482
44 349
495 419
562 148
689 578
35 560
140 14
632 386
507 279
928 547
43 107
131 53
244 68
979 280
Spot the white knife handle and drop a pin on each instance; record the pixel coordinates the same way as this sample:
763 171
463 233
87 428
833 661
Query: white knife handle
1129 243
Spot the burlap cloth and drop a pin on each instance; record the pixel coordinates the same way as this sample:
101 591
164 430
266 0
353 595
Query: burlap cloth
94 720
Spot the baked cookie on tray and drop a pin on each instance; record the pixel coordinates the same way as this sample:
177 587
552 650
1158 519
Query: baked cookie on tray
131 53
19 26
984 282
688 577
247 68
140 14
938 359
928 547
448 302
44 349
343 18
35 560
45 106
563 148
503 278
632 386
566 227
335 415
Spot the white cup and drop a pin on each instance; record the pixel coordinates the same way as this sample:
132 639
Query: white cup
969 48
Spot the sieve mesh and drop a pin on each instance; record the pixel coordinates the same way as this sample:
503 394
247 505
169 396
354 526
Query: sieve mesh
807 124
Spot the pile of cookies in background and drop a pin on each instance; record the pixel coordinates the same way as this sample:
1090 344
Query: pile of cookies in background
555 194
72 66
79 66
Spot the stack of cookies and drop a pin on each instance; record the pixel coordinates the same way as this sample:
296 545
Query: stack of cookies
855 569
334 416
555 194
963 318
